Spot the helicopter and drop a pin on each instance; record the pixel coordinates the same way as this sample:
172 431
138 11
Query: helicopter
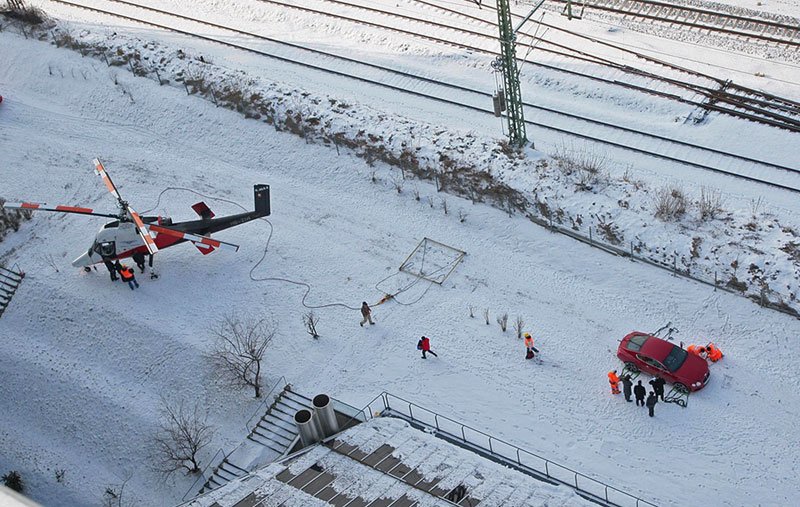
129 233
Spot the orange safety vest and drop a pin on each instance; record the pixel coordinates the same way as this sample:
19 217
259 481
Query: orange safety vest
713 352
127 273
612 378
529 342
696 350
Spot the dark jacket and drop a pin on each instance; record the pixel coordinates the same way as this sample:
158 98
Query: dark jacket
365 309
626 384
651 400
658 385
639 391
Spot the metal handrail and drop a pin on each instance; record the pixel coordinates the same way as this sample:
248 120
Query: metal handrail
365 410
261 405
203 472
518 451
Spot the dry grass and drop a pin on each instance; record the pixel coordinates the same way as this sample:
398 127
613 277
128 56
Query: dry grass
670 204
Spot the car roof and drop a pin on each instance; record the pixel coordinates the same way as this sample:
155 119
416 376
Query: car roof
656 348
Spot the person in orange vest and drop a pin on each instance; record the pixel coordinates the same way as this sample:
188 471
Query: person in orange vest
128 276
697 350
613 379
714 353
529 348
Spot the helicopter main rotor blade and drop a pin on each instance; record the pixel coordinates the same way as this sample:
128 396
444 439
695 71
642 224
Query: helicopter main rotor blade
194 238
101 171
143 232
34 206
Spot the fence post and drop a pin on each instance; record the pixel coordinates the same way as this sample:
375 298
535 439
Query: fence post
631 250
410 413
105 57
214 96
158 76
590 236
674 264
715 281
187 88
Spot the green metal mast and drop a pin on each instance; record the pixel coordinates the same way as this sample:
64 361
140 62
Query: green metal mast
508 65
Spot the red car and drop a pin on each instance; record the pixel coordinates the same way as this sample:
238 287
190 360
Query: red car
647 353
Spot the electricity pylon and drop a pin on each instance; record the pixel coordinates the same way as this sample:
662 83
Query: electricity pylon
507 64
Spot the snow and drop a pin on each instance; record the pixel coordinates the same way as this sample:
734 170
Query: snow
85 362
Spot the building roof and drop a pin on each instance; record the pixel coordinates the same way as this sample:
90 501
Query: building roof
386 462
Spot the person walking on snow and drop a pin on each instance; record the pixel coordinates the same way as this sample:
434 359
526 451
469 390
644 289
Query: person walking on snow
639 391
651 402
128 275
626 387
111 269
529 348
424 345
366 312
658 387
613 379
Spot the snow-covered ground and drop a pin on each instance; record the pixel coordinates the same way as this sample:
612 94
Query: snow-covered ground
85 361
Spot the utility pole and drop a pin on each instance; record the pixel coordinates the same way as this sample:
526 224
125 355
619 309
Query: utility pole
510 97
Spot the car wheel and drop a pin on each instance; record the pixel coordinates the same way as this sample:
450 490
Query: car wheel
632 367
680 387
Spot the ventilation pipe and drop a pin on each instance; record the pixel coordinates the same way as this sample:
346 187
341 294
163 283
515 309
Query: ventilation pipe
326 417
307 427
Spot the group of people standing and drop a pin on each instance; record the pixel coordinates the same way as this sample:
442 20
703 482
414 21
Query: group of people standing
124 271
638 391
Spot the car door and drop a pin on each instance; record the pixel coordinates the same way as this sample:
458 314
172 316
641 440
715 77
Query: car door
652 366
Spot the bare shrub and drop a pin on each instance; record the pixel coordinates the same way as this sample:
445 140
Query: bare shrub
239 350
756 206
310 321
182 434
670 204
13 480
113 496
710 203
60 475
518 325
609 231
486 315
503 321
30 15
444 205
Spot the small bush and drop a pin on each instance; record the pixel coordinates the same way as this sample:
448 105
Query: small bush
30 15
710 203
13 480
670 204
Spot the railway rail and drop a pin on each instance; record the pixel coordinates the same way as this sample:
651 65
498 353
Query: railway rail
449 88
724 98
749 27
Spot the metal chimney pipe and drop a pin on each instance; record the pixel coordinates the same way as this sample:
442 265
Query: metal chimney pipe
307 427
323 409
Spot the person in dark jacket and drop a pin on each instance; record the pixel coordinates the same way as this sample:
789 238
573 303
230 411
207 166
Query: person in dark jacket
639 391
424 345
658 387
138 258
626 387
366 312
111 269
651 402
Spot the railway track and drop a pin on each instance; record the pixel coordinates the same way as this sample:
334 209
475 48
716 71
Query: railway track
446 91
748 27
725 97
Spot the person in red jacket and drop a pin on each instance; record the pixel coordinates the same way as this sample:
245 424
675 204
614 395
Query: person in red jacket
424 345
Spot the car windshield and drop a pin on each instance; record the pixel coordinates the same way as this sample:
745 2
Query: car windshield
636 342
675 359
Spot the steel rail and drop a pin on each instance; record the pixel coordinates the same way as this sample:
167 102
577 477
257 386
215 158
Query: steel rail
699 13
405 89
750 113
